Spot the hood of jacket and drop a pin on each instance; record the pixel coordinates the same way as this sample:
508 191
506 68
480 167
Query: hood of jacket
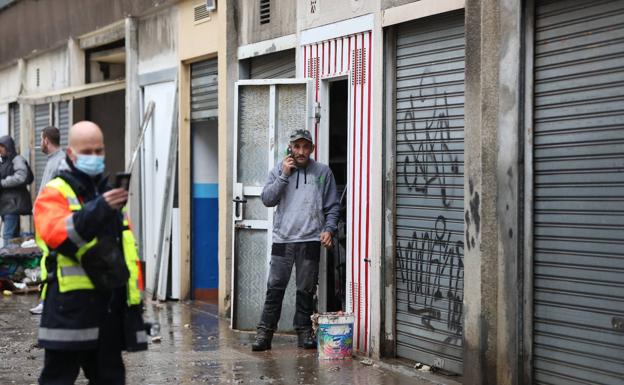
9 144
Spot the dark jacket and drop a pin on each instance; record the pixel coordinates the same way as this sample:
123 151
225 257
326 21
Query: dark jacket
87 309
14 196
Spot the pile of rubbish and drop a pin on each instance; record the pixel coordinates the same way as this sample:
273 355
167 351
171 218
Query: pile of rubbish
19 266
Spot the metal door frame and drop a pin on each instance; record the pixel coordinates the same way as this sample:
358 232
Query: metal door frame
322 155
238 188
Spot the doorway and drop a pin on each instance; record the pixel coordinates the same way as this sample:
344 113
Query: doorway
337 159
205 210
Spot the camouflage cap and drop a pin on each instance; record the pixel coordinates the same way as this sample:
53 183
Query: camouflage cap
301 134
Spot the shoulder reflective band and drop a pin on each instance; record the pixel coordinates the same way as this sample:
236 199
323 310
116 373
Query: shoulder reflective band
67 191
68 335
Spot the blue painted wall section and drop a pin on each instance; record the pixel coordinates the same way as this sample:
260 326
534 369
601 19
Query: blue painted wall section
205 273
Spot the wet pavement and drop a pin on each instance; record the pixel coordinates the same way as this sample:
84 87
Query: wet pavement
196 348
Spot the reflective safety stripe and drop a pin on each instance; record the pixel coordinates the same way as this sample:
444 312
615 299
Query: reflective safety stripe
72 234
141 337
74 203
72 271
67 335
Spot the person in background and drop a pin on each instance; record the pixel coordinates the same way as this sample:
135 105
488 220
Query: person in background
15 200
51 146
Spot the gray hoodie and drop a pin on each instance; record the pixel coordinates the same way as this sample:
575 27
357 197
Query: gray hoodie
307 202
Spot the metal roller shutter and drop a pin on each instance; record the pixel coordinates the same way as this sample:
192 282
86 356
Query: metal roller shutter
15 126
63 123
204 90
42 120
278 65
429 190
578 276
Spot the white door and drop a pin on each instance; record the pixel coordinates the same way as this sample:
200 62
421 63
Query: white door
267 111
155 156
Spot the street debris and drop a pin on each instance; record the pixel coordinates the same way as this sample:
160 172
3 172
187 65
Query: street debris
367 362
422 367
156 339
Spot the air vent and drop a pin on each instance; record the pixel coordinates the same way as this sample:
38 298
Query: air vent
313 69
38 77
265 11
201 13
358 62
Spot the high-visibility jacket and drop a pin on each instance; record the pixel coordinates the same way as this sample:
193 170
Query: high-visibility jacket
69 273
63 247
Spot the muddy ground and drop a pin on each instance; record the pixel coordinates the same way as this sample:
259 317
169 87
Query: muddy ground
196 348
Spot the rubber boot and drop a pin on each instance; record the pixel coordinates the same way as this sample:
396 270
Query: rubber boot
305 340
263 341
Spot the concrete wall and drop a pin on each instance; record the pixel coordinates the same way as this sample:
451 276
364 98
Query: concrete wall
385 4
282 15
9 82
157 41
48 25
198 40
327 12
53 71
492 295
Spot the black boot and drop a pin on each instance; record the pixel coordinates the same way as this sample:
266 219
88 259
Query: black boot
263 341
305 340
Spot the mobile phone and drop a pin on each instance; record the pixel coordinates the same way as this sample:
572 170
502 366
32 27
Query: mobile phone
122 180
289 151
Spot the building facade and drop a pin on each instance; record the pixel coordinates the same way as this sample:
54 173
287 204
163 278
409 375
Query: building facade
477 146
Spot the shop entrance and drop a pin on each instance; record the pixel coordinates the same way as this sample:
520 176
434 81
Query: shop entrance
335 266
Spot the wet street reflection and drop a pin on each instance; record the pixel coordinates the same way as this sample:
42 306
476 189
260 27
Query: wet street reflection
196 347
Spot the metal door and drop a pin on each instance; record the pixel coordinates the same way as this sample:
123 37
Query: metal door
267 111
154 163
204 90
429 227
272 66
578 195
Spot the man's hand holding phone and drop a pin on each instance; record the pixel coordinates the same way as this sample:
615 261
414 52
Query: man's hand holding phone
288 164
117 197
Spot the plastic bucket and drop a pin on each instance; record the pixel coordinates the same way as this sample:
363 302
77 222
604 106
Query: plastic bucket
335 336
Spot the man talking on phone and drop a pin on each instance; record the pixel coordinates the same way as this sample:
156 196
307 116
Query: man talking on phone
92 309
304 192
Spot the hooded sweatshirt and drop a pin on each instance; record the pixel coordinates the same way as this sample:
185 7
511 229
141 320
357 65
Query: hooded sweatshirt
307 202
14 196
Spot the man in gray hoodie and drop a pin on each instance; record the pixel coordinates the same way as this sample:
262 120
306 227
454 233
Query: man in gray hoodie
304 192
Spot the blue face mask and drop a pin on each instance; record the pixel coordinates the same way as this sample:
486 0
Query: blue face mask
91 165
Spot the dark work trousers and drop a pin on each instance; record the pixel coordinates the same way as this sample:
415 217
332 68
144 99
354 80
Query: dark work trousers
103 365
305 256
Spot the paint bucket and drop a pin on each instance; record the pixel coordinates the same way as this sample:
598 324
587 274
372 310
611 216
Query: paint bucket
335 336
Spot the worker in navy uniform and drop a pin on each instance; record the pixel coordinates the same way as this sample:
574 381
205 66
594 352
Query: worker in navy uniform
92 309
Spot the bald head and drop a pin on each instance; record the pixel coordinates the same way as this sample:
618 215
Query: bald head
85 132
85 138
